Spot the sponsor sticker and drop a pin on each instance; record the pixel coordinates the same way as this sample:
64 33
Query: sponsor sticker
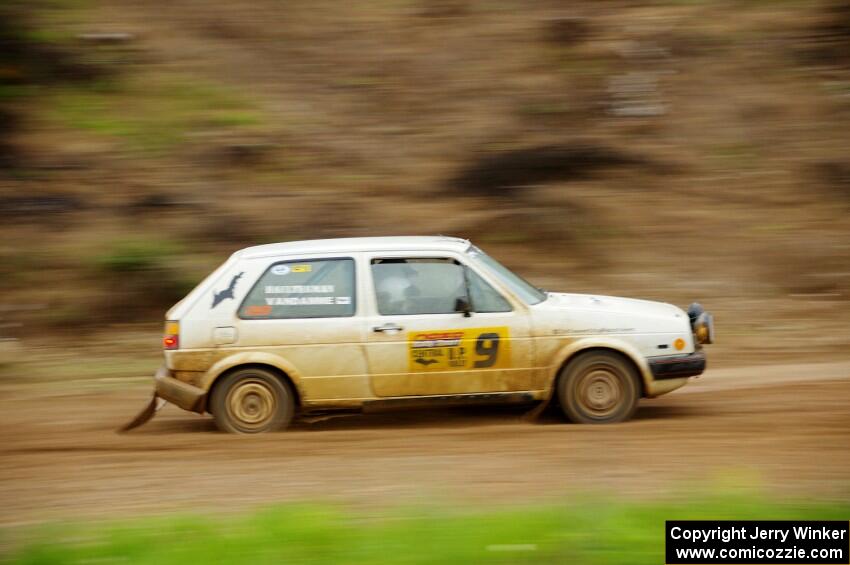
302 268
459 349
307 300
258 310
280 270
300 289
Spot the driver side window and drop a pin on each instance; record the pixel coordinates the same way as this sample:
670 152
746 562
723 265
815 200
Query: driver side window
418 286
485 299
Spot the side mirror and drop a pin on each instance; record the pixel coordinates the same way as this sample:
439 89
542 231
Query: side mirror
462 305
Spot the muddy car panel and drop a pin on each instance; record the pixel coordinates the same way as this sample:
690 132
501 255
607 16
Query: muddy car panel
368 354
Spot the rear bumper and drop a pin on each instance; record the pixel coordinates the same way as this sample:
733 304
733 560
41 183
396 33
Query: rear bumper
680 366
177 392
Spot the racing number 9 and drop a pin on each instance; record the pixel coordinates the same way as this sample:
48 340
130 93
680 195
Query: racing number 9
487 345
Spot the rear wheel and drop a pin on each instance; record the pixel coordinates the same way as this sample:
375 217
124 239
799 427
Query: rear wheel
598 387
250 401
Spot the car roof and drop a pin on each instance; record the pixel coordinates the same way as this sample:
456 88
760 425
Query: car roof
355 244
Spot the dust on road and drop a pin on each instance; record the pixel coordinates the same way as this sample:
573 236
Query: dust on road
784 429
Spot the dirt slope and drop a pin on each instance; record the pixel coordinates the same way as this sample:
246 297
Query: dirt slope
668 150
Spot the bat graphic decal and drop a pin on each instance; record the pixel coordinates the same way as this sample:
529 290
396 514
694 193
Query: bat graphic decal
223 295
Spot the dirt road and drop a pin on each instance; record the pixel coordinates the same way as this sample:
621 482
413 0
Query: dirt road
784 429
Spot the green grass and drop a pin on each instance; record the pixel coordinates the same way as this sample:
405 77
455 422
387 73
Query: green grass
152 115
136 255
579 532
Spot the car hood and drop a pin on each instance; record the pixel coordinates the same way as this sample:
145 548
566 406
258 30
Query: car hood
586 314
613 304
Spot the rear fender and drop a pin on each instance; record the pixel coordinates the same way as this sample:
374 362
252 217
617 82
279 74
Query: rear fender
252 358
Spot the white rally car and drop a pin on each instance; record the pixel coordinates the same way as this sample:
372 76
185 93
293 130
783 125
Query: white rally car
365 323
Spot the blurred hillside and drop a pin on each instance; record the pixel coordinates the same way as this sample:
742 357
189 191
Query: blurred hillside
681 150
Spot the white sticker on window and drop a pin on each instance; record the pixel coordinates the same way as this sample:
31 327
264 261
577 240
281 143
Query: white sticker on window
307 300
280 270
300 289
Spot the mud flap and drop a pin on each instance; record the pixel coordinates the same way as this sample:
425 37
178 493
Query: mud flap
152 408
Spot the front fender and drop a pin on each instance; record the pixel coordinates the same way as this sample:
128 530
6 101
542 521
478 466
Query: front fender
571 349
251 358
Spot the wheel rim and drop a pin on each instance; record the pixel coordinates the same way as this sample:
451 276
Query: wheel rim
251 404
599 392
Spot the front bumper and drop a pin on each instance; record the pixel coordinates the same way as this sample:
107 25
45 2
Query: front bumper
177 392
680 366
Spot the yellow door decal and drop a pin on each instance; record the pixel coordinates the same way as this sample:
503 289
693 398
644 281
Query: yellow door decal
459 350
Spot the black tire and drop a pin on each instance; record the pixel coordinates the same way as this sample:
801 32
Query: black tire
598 387
252 401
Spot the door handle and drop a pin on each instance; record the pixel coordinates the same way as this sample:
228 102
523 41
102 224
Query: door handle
387 328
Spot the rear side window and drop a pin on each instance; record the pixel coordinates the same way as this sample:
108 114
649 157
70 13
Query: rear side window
322 288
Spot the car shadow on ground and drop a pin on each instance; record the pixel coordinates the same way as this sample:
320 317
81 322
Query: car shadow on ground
666 412
447 417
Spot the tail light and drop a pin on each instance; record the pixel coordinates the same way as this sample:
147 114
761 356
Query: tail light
171 338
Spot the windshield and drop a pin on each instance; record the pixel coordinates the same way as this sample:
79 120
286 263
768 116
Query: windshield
524 289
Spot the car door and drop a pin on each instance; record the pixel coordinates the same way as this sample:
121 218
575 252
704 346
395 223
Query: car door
419 344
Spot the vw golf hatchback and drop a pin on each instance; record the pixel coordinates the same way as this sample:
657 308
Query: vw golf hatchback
355 324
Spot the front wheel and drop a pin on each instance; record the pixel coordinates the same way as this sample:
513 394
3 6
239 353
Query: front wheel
598 387
251 401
